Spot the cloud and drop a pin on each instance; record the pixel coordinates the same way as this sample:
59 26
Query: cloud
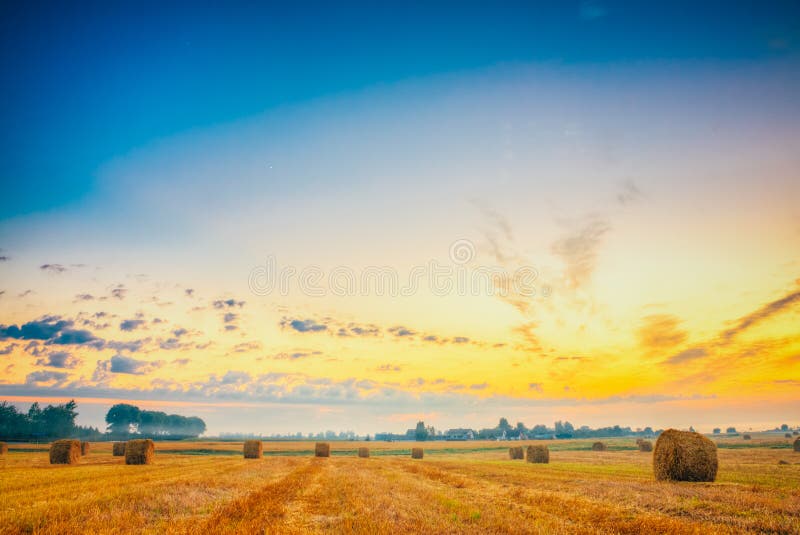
189 292
578 249
84 297
131 325
44 328
536 387
227 303
125 365
388 368
304 326
660 331
630 194
687 355
46 378
296 355
179 332
129 345
53 268
8 349
355 329
119 292
229 317
401 331
4 258
766 311
59 359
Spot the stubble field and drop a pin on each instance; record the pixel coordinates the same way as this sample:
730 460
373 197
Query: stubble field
466 487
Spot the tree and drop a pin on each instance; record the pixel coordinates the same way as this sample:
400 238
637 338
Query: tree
731 430
784 427
717 430
123 418
503 425
420 433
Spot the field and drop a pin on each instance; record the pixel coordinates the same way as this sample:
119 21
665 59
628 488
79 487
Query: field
464 487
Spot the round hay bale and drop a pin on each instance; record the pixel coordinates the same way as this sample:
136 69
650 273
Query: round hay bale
516 452
416 453
639 441
85 447
746 437
599 446
363 452
118 449
684 456
783 462
645 445
796 445
538 454
139 451
253 449
322 449
3 448
65 451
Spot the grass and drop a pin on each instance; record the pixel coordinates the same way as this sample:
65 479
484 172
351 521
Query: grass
468 487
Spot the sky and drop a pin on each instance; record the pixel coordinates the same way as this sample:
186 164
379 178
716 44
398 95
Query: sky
353 217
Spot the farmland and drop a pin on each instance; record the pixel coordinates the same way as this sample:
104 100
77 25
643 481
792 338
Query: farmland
465 487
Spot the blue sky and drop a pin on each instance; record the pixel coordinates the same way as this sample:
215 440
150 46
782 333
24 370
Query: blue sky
89 82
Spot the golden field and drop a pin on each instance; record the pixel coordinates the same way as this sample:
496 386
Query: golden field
463 487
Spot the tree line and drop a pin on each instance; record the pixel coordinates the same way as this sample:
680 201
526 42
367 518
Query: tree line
58 421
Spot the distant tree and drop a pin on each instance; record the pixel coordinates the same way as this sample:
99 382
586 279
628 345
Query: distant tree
420 433
123 418
717 430
730 430
784 427
503 425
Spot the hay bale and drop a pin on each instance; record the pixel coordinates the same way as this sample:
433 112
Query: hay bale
746 437
85 448
3 448
684 456
118 449
538 454
322 449
645 445
639 441
65 451
416 453
796 445
363 452
787 435
599 446
783 462
139 451
516 452
253 449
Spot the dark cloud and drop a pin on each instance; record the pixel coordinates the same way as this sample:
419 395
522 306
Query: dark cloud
460 340
296 355
231 327
44 328
660 331
770 309
4 258
687 355
84 297
227 303
536 387
8 349
179 332
53 268
229 317
578 249
131 346
354 329
131 325
59 359
49 378
189 292
245 347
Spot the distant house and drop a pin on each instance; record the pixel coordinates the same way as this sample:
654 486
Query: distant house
459 434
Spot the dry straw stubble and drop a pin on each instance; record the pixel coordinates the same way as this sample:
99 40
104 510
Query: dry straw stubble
684 456
139 451
65 451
